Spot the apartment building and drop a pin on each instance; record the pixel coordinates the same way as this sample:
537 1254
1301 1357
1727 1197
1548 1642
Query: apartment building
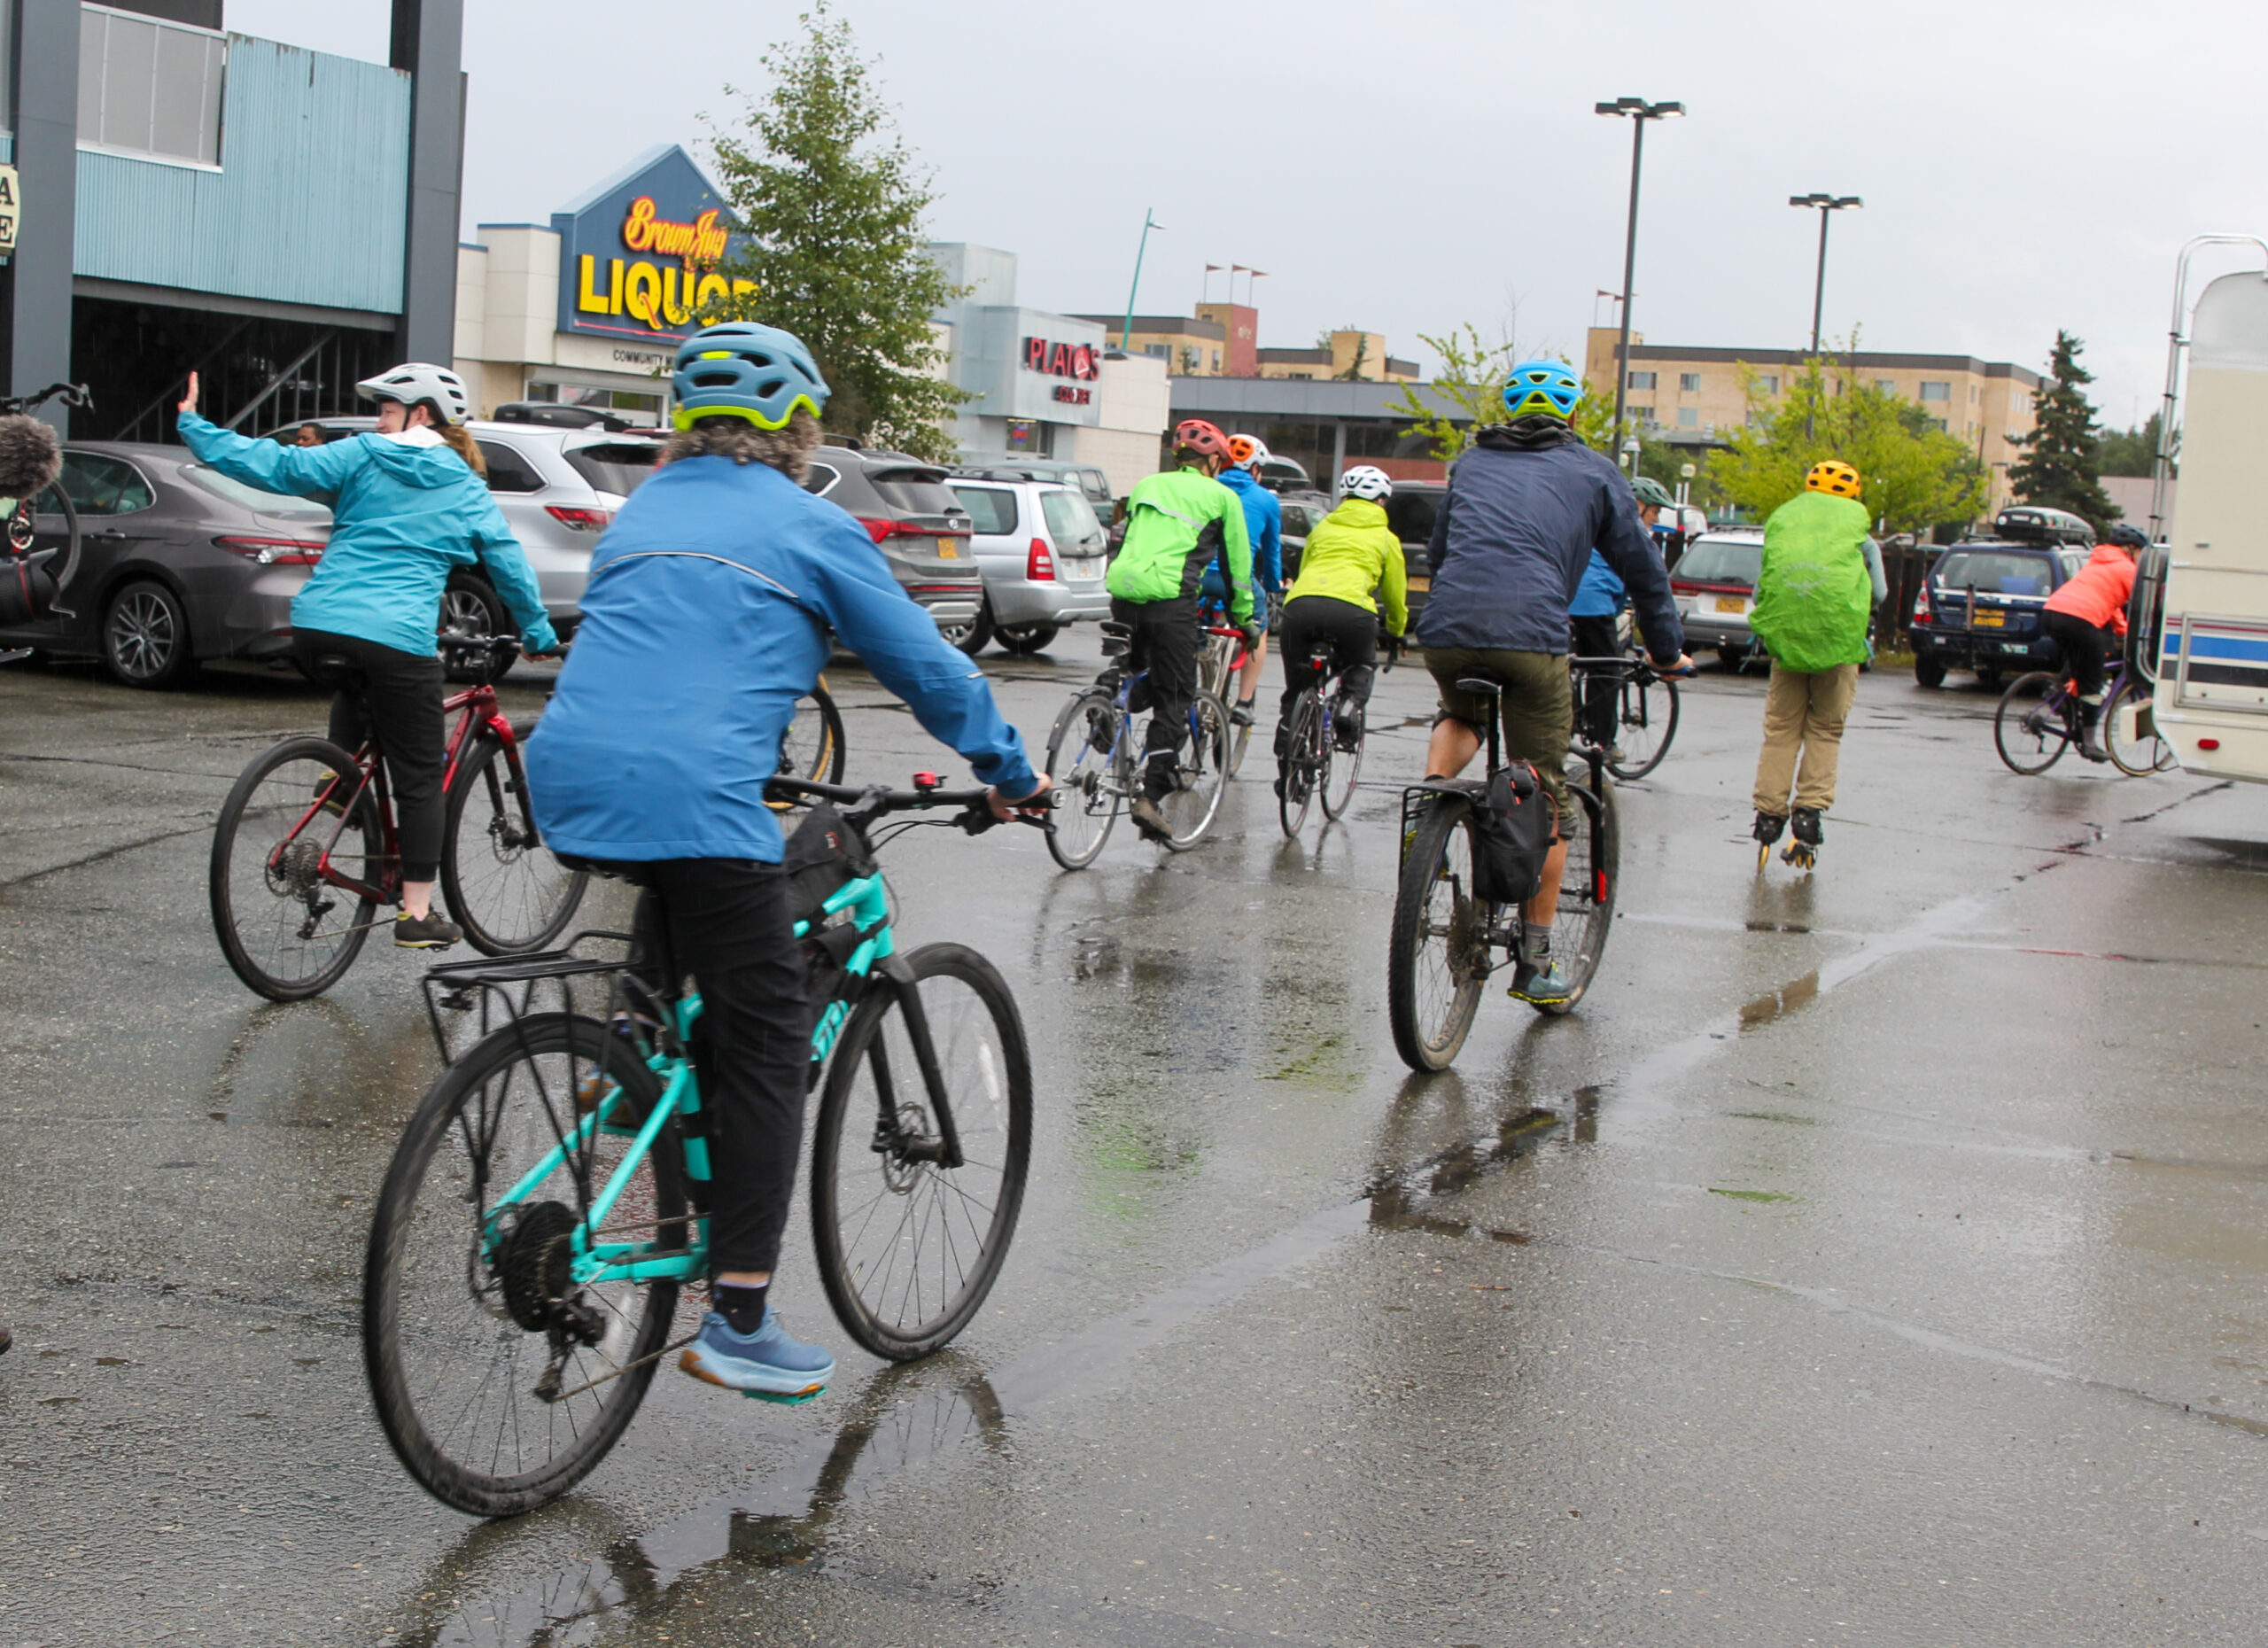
1352 357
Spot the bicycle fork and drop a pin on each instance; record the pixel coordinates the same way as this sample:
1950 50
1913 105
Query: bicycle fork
892 1138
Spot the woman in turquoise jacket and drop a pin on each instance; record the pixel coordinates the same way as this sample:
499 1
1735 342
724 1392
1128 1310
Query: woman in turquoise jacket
409 502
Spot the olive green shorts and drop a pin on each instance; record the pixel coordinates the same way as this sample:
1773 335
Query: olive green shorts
1538 706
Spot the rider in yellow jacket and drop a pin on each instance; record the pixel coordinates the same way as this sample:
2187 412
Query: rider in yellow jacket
1349 557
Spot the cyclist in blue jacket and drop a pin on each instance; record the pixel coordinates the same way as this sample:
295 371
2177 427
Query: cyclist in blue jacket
409 502
1263 525
708 615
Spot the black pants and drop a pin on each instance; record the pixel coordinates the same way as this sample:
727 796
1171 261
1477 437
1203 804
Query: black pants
1595 707
1165 644
393 699
2085 647
725 921
1350 633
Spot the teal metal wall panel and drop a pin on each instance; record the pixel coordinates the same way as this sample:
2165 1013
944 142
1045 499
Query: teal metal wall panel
309 204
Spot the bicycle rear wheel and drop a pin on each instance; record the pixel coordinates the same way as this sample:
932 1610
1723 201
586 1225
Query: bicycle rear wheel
1202 775
500 1380
504 886
1296 773
907 1246
813 747
1585 918
1437 949
1085 778
1646 721
2030 735
287 932
2134 752
1340 767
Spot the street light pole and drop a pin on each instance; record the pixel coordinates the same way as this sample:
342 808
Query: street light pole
1126 333
1826 205
1639 112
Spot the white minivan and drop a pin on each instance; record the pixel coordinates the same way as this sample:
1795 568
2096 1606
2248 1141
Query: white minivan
1043 553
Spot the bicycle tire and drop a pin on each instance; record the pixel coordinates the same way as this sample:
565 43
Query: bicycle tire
1584 919
1643 758
813 746
1428 1036
247 895
1195 801
1296 774
2148 754
429 1293
1086 780
504 887
1343 790
2027 750
874 1088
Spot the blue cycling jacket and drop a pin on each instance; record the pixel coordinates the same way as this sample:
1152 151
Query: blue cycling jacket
706 619
1601 594
1263 524
404 510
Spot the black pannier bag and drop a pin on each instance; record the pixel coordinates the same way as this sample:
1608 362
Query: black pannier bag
27 587
1514 825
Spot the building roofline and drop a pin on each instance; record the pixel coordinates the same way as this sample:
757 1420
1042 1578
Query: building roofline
1797 357
1173 325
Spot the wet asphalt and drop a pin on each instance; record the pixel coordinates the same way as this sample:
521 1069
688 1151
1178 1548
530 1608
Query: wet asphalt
1875 1257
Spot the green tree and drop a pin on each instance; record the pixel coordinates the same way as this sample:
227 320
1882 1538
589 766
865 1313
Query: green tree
2059 468
2129 451
1915 475
832 203
1471 380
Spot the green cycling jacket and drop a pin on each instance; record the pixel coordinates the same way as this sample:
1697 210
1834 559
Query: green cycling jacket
1814 594
1176 523
1348 555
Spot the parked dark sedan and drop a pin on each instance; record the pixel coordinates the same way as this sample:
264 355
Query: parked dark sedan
177 563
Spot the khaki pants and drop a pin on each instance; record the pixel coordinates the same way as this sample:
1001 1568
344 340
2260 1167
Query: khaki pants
1803 712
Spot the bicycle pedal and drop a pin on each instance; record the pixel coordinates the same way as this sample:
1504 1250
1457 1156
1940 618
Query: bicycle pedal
786 1401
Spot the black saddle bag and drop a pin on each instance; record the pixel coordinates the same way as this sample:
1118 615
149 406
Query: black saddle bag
1516 825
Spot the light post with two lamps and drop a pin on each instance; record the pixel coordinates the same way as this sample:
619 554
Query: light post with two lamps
1827 205
1638 111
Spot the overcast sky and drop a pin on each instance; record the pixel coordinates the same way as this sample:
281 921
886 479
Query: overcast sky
2025 164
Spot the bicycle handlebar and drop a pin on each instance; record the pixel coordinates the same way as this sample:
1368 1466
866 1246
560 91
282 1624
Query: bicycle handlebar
78 395
875 801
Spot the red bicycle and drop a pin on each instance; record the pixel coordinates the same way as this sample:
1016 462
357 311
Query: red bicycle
305 852
1217 667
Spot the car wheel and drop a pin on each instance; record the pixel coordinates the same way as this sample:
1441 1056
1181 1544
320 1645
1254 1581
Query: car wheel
975 635
1988 677
469 608
145 637
1730 658
1928 671
1023 640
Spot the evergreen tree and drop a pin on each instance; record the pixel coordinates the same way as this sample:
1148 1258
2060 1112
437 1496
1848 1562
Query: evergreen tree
2062 458
832 207
2130 451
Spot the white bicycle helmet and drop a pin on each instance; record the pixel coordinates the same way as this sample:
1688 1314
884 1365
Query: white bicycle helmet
1247 452
1366 480
414 381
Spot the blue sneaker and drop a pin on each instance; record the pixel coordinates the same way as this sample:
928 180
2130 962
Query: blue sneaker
1543 989
767 1363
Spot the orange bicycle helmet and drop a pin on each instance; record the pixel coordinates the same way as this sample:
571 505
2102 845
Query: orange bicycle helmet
1201 437
1834 476
1245 450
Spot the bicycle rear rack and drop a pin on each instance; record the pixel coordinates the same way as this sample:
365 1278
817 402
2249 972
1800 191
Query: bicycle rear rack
504 988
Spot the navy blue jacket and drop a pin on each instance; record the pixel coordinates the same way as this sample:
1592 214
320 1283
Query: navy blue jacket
1526 508
705 620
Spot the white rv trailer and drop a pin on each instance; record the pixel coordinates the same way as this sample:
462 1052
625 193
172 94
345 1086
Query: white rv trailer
2199 617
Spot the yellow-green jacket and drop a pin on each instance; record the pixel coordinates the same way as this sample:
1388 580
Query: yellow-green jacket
1176 522
1348 555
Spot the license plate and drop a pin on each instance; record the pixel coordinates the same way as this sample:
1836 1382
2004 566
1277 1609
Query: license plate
1991 620
1731 603
1084 566
947 549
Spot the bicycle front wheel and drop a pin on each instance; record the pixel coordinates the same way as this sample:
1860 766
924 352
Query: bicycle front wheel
2130 733
1295 777
1437 949
504 886
908 1247
1085 778
288 932
1585 918
1340 767
2026 730
500 1381
1202 775
1645 722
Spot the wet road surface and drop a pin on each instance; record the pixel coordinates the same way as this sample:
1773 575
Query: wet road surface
1875 1258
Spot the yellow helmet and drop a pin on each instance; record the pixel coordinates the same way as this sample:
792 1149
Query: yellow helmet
1834 476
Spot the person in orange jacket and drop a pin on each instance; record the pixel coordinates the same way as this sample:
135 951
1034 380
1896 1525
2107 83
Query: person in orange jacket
2085 616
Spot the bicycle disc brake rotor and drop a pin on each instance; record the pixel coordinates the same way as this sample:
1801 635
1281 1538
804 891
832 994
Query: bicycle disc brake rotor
906 1145
532 1262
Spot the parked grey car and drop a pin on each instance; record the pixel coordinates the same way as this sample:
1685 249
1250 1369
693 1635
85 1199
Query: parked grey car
913 518
1042 553
177 563
1085 478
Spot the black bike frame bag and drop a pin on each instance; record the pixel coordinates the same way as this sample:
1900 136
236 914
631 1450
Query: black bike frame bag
823 855
1515 826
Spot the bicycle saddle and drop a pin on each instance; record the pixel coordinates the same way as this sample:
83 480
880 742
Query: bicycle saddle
1481 685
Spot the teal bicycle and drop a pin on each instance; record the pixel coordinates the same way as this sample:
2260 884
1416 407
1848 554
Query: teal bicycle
548 1201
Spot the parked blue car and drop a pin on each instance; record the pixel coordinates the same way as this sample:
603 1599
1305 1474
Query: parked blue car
1979 607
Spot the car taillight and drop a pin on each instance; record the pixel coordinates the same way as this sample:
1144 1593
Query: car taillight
879 530
274 551
580 519
1922 604
1040 565
1677 586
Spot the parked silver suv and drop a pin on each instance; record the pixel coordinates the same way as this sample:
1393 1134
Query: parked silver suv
1043 553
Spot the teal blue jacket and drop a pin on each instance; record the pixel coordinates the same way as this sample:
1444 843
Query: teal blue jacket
402 516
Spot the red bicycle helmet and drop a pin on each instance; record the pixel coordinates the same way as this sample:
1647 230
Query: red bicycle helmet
1201 437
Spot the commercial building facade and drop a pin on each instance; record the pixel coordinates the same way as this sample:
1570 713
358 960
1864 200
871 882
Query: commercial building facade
1325 424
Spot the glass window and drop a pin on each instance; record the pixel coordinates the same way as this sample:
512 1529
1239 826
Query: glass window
1644 415
1689 417
509 471
1936 389
150 88
1410 517
1095 484
1721 560
251 497
1770 385
1070 520
915 491
101 485
1688 383
821 480
614 466
1995 571
1641 380
1938 424
991 508
1887 385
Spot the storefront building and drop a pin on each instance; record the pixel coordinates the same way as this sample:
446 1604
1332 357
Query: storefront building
281 221
1325 425
589 309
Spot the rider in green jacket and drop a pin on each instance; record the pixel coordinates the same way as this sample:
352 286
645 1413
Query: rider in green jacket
1176 523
